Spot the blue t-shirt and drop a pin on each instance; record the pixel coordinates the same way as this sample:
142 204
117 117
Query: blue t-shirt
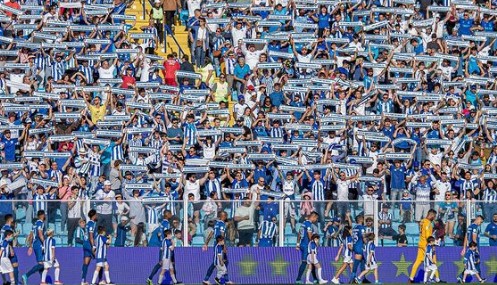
473 229
241 72
465 26
357 237
491 229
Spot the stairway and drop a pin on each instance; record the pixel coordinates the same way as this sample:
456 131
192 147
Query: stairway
180 33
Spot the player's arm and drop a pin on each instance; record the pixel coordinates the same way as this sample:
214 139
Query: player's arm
425 230
464 245
339 252
53 252
91 239
40 234
29 240
299 237
220 257
207 240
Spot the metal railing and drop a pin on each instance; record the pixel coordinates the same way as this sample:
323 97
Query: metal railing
169 32
193 219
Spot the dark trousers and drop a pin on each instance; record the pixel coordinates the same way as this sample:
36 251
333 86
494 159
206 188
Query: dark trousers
106 222
159 25
169 17
72 225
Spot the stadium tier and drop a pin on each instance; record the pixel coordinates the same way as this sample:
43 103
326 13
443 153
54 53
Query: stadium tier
361 129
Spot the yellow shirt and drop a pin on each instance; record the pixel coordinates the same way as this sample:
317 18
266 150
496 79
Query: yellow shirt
97 113
426 228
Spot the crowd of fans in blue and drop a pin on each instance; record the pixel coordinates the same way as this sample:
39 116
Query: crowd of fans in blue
327 105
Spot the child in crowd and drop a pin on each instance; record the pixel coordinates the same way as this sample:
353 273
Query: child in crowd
406 207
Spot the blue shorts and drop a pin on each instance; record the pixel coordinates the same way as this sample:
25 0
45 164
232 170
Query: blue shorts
87 250
265 242
38 249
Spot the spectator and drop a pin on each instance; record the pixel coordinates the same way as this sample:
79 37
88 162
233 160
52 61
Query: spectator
105 208
244 216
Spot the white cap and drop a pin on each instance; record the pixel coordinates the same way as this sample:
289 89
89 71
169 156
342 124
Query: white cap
124 218
107 183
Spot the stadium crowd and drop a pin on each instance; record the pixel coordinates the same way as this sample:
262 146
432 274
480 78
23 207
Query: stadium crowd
327 105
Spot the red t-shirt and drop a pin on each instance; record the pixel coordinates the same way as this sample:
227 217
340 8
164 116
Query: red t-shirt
170 68
127 80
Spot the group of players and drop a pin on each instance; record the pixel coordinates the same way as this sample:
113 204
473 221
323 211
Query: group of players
42 243
357 249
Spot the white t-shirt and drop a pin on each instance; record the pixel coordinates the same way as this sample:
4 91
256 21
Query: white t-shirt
193 188
243 211
107 73
435 159
343 189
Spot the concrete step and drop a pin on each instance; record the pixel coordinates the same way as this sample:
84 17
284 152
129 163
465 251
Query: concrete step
181 35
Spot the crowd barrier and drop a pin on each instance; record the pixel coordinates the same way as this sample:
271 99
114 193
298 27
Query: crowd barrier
287 224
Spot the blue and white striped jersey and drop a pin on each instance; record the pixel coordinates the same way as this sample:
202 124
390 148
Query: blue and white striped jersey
166 248
218 253
369 252
268 229
47 249
3 230
430 254
470 260
312 248
347 246
5 248
101 247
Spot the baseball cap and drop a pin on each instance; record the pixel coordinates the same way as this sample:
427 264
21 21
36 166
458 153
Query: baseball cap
107 183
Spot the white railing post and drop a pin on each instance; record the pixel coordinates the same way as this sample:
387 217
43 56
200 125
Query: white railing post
468 213
185 223
281 223
375 222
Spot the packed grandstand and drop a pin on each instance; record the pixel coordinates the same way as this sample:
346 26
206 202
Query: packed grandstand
276 109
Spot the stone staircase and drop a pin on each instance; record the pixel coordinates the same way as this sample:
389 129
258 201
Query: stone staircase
180 32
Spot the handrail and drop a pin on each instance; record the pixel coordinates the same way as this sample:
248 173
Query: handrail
167 30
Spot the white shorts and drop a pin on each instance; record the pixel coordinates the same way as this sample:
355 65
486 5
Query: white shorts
309 261
371 266
167 264
50 264
6 265
102 264
432 267
467 272
348 259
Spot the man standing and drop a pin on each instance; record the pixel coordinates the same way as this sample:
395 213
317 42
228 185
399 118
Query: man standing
219 230
472 237
104 209
491 231
303 239
426 231
244 215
